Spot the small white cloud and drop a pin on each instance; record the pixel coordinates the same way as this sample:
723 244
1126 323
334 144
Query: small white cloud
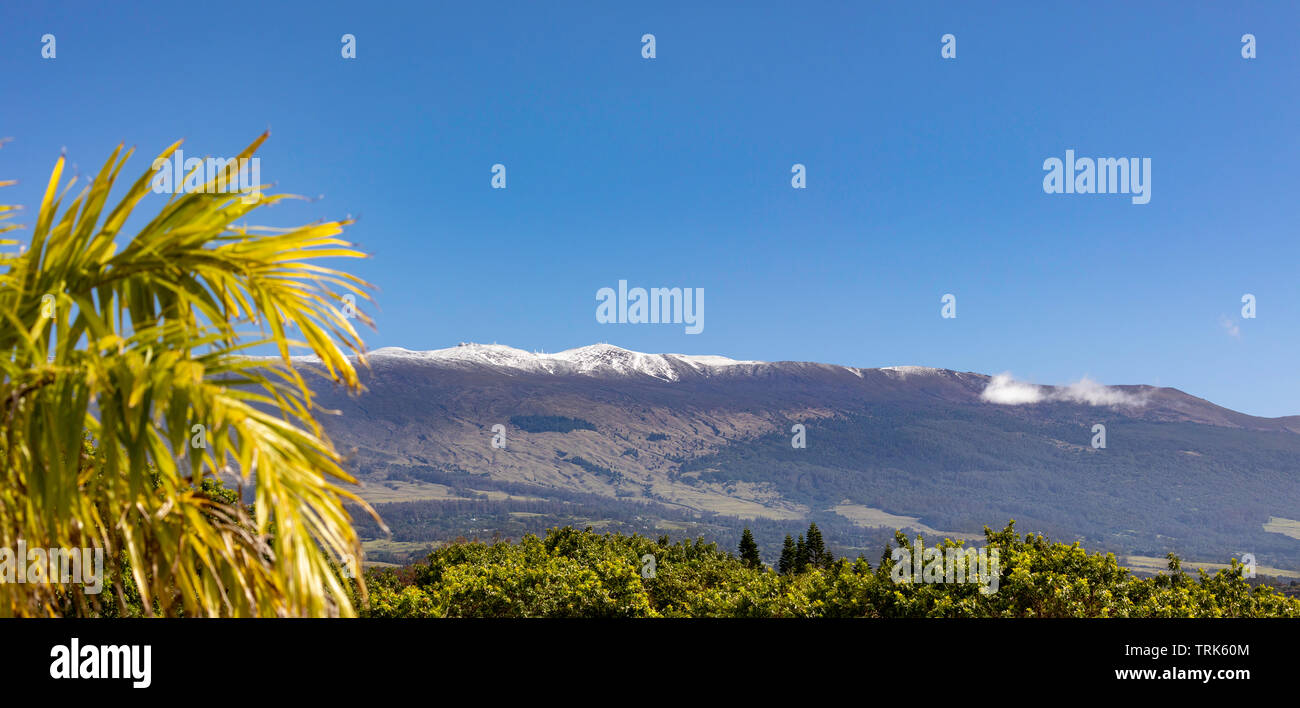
1088 391
1004 390
1232 328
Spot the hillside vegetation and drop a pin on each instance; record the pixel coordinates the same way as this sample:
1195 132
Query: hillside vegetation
580 573
639 453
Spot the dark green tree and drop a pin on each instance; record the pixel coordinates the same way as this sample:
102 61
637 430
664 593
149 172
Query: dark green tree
800 555
749 551
786 564
818 554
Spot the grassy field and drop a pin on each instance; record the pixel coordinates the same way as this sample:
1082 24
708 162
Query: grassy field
868 517
385 491
1150 565
1286 527
415 550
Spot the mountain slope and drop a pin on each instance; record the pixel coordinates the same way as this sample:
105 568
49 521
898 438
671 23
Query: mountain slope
668 438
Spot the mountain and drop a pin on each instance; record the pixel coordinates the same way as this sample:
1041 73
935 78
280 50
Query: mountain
703 444
598 360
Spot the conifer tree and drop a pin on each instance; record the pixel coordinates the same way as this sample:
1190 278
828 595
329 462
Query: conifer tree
749 551
786 565
816 547
800 555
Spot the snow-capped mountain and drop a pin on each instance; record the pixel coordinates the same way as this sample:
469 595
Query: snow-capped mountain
592 360
833 383
790 441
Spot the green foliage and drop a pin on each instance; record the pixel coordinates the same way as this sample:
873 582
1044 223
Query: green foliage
786 565
140 341
572 573
125 599
815 547
749 551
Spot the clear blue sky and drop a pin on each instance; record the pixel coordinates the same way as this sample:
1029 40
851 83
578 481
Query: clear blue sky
924 175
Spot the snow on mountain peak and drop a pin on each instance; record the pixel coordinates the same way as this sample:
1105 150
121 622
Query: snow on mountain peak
906 371
594 359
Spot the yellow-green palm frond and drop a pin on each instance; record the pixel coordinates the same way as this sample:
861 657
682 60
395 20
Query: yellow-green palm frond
7 212
140 345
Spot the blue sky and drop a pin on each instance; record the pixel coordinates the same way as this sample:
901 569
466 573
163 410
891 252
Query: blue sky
924 174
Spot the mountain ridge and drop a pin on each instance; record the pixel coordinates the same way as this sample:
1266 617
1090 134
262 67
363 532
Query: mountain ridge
645 442
604 360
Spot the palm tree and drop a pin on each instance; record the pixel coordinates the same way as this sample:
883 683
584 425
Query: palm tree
125 383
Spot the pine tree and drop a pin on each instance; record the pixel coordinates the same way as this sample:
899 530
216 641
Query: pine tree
800 555
816 547
749 551
786 565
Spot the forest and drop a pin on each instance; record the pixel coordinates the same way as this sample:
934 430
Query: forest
570 572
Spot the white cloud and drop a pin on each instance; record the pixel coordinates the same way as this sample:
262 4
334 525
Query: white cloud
1094 394
1004 390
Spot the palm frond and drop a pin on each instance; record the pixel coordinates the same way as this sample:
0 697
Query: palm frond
133 349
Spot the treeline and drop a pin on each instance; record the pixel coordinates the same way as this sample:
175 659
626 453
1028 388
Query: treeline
809 552
581 573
